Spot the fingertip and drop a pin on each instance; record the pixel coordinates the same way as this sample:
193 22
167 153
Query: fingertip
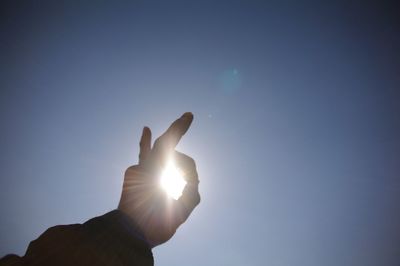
187 116
146 132
145 144
187 119
146 136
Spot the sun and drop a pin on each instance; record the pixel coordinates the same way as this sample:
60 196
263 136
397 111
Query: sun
172 180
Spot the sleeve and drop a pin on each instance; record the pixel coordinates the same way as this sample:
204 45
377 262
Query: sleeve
111 239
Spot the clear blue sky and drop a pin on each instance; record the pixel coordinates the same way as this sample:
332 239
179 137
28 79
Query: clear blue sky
296 132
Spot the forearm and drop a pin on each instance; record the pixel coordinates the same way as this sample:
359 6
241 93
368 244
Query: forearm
111 239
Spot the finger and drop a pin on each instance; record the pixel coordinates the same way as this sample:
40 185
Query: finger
190 195
167 142
145 144
188 166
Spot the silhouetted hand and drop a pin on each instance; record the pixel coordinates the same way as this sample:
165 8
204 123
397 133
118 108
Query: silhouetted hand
156 214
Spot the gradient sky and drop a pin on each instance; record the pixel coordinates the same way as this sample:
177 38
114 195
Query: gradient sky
296 132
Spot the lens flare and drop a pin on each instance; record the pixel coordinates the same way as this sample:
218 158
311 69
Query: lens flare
172 181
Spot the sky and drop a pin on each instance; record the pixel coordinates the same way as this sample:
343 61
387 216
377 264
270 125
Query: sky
296 130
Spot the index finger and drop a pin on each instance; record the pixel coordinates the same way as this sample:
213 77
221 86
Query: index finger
168 141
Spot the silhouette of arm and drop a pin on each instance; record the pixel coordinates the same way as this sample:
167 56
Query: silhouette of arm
146 216
111 239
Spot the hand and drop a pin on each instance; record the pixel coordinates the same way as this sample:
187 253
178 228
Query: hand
156 214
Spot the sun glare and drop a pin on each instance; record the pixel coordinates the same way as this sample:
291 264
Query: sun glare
172 180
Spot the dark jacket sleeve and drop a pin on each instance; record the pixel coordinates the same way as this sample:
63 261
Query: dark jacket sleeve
111 239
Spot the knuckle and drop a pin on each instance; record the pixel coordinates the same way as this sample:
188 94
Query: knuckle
130 170
197 198
192 161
